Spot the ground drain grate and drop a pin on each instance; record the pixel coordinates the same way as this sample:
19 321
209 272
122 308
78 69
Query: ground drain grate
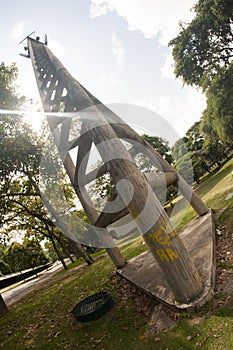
93 307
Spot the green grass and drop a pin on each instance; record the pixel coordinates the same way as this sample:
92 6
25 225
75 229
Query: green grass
213 190
80 261
43 319
226 265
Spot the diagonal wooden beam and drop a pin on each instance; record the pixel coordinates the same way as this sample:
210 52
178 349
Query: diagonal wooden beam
158 182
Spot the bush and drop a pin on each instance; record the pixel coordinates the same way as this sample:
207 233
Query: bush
4 268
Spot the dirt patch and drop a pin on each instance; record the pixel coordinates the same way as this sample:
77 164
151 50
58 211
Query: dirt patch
162 318
143 302
224 273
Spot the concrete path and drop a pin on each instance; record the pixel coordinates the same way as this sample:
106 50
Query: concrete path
15 293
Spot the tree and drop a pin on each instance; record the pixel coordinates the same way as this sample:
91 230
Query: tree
217 120
204 46
161 145
8 75
5 268
194 139
198 151
27 255
203 55
187 153
22 208
15 256
183 163
35 254
8 100
104 189
194 142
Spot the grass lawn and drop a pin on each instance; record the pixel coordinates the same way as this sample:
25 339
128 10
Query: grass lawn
42 319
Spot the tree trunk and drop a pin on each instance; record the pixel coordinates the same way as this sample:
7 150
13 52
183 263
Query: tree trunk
3 307
79 251
58 253
205 166
56 216
65 250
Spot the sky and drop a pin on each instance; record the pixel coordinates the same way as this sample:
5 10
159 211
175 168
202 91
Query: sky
117 49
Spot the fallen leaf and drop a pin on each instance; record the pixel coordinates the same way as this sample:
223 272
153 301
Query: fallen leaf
97 341
57 334
141 337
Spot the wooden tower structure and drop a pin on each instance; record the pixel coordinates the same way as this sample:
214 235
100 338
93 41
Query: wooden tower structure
60 92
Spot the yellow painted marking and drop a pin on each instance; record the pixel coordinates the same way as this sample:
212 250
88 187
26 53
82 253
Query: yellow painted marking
161 236
172 255
167 254
162 254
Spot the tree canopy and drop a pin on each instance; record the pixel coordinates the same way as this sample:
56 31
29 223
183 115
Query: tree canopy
103 187
204 46
8 100
218 117
27 255
194 154
21 206
203 55
8 96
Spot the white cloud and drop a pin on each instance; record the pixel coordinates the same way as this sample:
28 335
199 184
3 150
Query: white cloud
18 30
57 48
181 111
118 51
151 17
167 70
112 78
180 107
98 8
108 79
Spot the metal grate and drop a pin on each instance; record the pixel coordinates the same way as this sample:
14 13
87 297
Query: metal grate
93 307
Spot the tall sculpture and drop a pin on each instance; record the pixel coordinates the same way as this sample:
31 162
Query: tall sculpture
60 92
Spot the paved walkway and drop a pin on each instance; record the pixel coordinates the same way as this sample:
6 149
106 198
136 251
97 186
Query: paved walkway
15 293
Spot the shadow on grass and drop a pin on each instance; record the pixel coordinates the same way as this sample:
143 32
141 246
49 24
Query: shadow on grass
213 179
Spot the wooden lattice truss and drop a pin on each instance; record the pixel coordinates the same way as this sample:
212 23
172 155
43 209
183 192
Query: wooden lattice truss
60 92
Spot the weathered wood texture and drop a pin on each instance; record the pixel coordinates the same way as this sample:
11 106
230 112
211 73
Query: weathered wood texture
199 240
104 129
114 253
145 208
157 181
79 98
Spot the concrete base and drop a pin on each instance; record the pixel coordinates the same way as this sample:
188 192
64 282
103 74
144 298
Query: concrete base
199 240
